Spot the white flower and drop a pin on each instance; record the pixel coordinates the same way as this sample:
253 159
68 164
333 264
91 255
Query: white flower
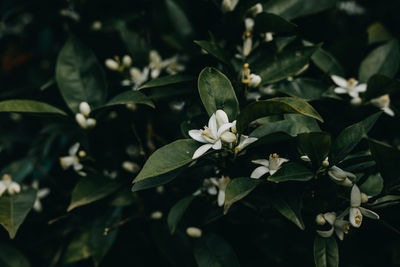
7 184
383 102
339 226
271 165
213 135
221 184
269 36
256 9
156 64
351 8
244 142
131 167
138 77
156 215
72 160
356 211
82 117
247 37
194 232
172 66
115 64
228 5
41 193
126 61
255 80
350 87
340 176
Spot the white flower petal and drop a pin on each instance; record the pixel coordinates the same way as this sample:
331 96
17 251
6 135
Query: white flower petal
43 192
67 161
221 198
305 158
258 172
369 213
263 162
361 88
330 217
341 82
355 198
201 150
217 145
37 206
212 125
221 117
223 128
340 90
197 135
74 149
388 111
247 46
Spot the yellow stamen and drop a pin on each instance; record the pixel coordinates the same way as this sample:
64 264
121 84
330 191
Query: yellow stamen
275 155
117 58
352 81
358 219
6 177
346 228
247 34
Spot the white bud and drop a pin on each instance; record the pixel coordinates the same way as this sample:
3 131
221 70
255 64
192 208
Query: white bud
247 46
127 61
255 80
325 163
90 123
268 37
84 108
97 25
249 24
111 64
156 215
194 232
364 198
320 220
82 154
81 120
228 137
130 166
256 9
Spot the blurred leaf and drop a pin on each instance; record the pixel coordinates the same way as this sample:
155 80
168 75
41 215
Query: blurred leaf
213 49
168 158
383 60
91 189
315 145
158 93
305 88
385 201
289 207
282 42
79 76
134 43
130 97
12 257
327 62
292 172
18 169
326 253
377 33
78 248
283 65
373 186
167 80
237 189
213 251
349 138
29 106
291 9
157 180
216 92
179 20
177 211
379 85
265 22
14 209
274 106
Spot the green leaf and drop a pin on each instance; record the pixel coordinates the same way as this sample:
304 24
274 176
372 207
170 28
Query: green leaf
377 33
266 22
237 189
387 159
167 80
130 97
216 92
305 88
14 209
383 60
274 106
326 253
12 257
19 169
293 124
373 186
291 9
290 208
78 248
168 158
79 76
283 65
327 62
91 189
291 172
177 211
134 43
315 145
349 138
213 251
157 180
29 106
379 85
179 20
213 49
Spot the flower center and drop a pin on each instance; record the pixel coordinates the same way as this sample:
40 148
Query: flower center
346 228
358 219
352 81
275 156
6 177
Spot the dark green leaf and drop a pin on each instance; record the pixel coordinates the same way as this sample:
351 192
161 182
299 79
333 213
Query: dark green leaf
289 207
78 248
90 189
157 180
12 257
373 186
315 145
291 172
327 62
326 253
274 106
383 60
349 138
134 43
379 85
216 92
237 189
168 158
130 97
177 211
14 209
377 33
29 106
305 88
265 22
213 49
167 80
179 20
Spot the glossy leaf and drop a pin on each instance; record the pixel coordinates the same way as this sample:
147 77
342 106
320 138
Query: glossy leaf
12 257
130 97
266 22
29 106
78 248
290 208
134 43
177 211
180 21
91 189
315 145
291 9
14 209
213 49
305 88
168 158
79 76
327 62
326 253
377 33
291 172
237 189
157 180
349 138
275 106
379 85
216 92
167 80
373 186
382 60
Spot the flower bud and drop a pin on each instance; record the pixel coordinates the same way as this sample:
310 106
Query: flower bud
228 137
255 80
256 9
127 61
97 25
81 120
111 64
320 220
130 166
249 24
156 215
268 37
82 154
364 198
84 108
325 163
90 123
194 232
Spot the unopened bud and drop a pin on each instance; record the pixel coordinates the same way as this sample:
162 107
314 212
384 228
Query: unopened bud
320 220
364 198
194 232
84 108
156 215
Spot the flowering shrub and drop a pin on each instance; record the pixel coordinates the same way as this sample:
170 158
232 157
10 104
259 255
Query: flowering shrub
199 133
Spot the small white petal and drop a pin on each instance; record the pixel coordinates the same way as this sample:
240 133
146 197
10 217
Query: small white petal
247 46
249 24
263 162
90 123
67 161
201 150
341 82
369 213
361 88
388 111
355 198
340 90
42 193
330 217
223 128
255 80
197 135
111 64
81 120
156 215
355 217
212 125
221 198
228 137
217 145
74 149
194 232
127 61
221 117
258 172
37 206
305 158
